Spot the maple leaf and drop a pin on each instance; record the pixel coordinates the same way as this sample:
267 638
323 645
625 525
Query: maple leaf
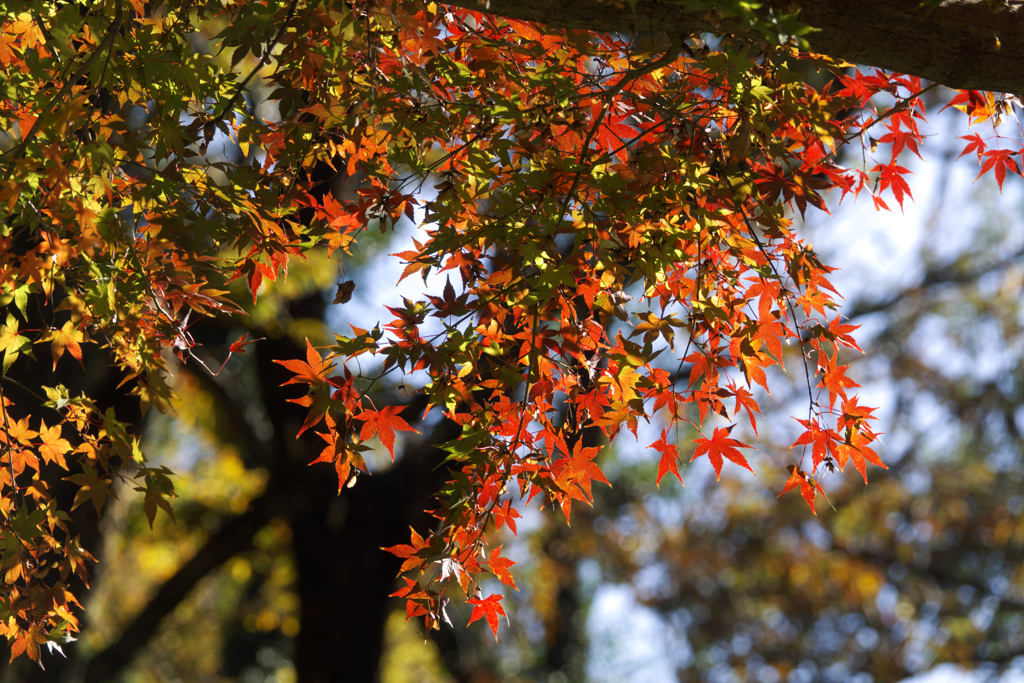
384 424
158 488
92 487
575 473
239 345
819 439
719 446
311 372
319 401
67 338
841 333
28 642
669 458
449 305
768 292
18 434
808 486
745 401
855 448
1001 160
19 431
834 379
891 178
499 567
506 514
488 608
53 447
771 331
753 363
12 343
344 293
338 452
975 144
412 554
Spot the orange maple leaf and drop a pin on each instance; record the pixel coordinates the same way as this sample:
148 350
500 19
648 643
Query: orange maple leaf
53 447
841 333
383 423
242 342
819 439
66 338
19 431
719 446
836 382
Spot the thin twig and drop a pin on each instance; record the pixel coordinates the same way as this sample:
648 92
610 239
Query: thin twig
7 440
666 59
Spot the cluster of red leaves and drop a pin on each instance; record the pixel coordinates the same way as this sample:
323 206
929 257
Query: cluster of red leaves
613 210
574 167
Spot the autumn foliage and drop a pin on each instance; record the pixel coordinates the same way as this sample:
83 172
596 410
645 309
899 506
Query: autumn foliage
613 218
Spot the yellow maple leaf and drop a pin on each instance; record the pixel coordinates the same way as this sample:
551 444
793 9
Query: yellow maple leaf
67 338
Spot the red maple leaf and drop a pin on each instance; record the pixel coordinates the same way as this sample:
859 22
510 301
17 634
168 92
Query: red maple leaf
488 608
499 566
891 178
669 458
575 474
975 144
819 439
745 401
312 371
855 448
808 487
1001 160
506 514
719 446
409 552
384 424
243 341
834 380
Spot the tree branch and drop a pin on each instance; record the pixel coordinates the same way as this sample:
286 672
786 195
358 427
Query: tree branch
936 276
232 538
976 44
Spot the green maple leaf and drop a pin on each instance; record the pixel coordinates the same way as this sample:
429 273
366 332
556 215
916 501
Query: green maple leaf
12 343
91 487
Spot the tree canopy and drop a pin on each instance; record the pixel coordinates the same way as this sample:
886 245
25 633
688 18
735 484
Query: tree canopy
608 217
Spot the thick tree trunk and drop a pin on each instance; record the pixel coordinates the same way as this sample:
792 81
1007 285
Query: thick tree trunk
344 576
977 44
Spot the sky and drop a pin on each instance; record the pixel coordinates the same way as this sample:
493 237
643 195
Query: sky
877 253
